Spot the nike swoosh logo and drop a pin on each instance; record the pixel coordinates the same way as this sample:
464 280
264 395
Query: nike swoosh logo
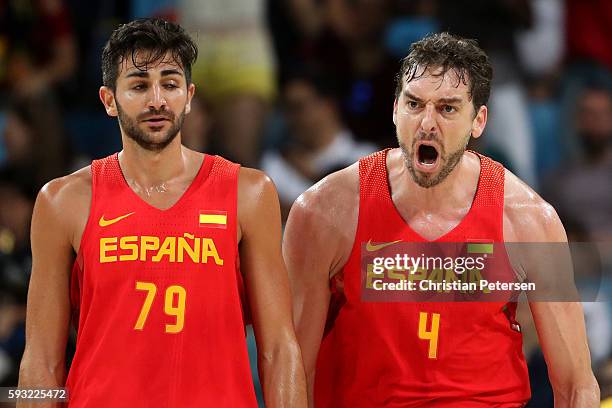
371 247
106 223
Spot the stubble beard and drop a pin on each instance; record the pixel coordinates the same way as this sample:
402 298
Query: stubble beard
449 162
143 138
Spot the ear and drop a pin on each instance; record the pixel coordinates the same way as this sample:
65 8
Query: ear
479 122
190 93
395 112
107 96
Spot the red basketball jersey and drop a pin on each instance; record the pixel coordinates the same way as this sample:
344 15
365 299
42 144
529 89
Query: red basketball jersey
374 354
156 297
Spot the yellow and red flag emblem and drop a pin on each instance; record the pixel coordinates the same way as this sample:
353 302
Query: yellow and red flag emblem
213 219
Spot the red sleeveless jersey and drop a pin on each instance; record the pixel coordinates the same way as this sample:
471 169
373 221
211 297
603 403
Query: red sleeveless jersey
373 353
156 294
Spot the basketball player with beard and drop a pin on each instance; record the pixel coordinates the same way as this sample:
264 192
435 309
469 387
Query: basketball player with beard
149 249
360 353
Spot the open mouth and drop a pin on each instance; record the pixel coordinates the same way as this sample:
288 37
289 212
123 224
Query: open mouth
427 157
427 154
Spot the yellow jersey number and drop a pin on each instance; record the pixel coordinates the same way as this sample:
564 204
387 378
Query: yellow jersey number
174 305
432 334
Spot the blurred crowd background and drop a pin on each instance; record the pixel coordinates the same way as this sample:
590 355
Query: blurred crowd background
301 88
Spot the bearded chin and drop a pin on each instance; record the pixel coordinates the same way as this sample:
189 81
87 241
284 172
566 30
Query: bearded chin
142 138
449 162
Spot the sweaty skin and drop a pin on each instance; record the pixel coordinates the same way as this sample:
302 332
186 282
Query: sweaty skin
61 212
322 225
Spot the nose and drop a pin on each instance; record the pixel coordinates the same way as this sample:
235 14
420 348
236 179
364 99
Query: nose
156 100
428 122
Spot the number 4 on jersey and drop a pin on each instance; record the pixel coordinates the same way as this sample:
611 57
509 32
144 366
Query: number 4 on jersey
432 334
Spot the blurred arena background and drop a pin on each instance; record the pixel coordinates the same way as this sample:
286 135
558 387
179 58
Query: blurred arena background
301 88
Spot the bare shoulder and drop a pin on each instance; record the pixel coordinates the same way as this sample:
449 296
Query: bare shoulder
256 193
64 193
328 214
333 200
257 200
527 216
63 204
253 184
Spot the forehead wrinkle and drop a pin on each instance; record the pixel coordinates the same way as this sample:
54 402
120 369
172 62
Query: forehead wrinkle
448 98
443 99
449 93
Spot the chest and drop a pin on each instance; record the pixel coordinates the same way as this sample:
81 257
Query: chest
432 224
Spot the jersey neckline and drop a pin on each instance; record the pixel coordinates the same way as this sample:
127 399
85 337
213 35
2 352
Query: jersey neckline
201 175
457 228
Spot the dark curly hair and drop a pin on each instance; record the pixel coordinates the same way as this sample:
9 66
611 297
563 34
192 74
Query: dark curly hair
155 36
449 52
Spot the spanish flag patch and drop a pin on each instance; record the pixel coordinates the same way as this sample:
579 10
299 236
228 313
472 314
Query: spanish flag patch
213 219
480 246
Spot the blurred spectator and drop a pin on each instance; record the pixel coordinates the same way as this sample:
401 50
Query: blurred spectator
16 204
540 51
39 48
92 23
605 384
165 9
235 71
598 323
196 128
588 58
318 142
89 128
415 20
17 139
495 24
545 117
347 42
15 262
12 337
28 153
356 45
541 47
39 53
582 190
589 30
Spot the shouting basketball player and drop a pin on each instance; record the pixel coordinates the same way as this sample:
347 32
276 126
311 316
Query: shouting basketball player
147 250
360 353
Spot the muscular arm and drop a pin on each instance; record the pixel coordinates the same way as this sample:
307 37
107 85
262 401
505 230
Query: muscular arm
279 358
559 324
318 239
48 309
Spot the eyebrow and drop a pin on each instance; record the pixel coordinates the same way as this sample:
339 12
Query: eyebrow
455 99
145 74
167 72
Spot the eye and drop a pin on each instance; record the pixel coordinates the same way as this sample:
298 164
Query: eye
170 86
449 109
413 104
139 87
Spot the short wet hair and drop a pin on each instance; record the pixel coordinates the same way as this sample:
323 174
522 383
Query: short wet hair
448 52
154 36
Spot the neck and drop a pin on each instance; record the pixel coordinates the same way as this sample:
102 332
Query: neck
149 169
457 190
